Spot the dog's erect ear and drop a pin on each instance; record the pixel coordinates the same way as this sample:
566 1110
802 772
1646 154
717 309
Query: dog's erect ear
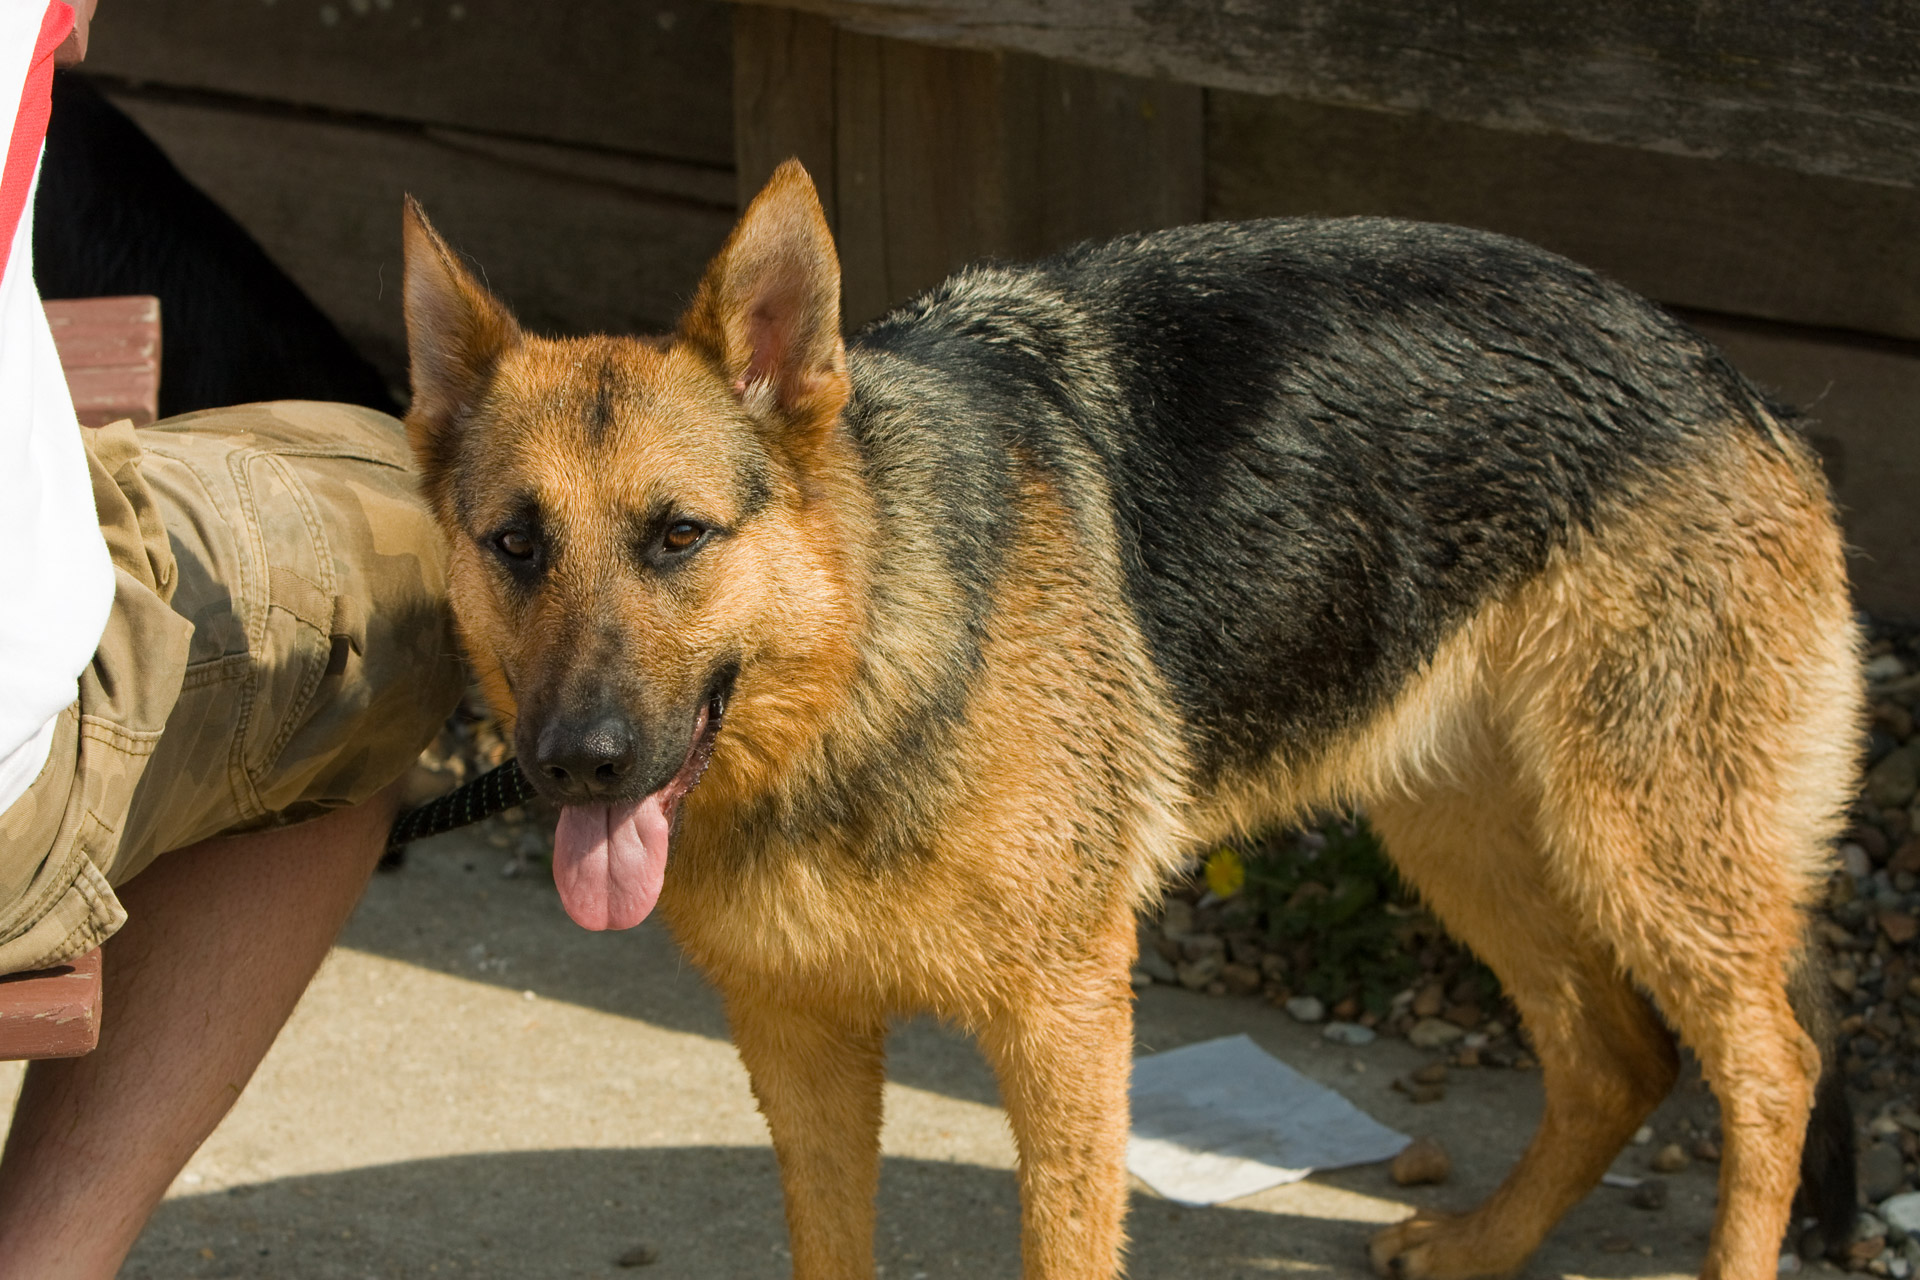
456 333
768 310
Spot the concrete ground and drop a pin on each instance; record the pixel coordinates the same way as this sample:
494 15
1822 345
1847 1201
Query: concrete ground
475 1087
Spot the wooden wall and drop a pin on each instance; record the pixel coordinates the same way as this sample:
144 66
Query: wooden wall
590 164
928 157
582 156
934 155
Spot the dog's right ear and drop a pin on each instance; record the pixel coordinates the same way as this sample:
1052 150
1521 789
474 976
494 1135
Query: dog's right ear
456 334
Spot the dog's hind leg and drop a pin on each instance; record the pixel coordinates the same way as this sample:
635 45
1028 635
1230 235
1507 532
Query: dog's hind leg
1702 910
1606 1060
1688 729
1062 1054
1696 876
819 1076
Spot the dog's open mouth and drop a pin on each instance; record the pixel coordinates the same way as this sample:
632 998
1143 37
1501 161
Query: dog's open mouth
609 860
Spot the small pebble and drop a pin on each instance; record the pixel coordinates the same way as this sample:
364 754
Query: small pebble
1423 1162
639 1256
1615 1244
1871 841
1351 1033
1241 980
1650 1195
1881 1171
1861 1252
1176 918
1421 1093
1902 1213
1204 946
1899 926
1643 1135
1306 1009
1157 967
1432 1073
1883 668
1705 1148
1433 1033
1854 861
1669 1159
1892 782
1198 975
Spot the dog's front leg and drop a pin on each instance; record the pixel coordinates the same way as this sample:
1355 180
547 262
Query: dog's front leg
818 1074
1063 1062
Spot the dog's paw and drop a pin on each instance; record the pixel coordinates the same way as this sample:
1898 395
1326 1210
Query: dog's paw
1404 1251
1445 1246
1429 1246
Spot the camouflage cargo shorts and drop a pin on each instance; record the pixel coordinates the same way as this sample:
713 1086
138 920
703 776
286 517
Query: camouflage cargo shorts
279 645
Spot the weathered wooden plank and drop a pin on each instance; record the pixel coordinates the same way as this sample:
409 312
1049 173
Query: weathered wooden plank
650 76
937 157
593 245
1103 153
945 162
861 224
51 1013
783 81
1819 86
1720 235
1862 401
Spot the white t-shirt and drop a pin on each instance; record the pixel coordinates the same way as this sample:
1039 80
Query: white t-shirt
56 581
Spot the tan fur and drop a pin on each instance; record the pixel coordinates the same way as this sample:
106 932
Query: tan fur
1619 779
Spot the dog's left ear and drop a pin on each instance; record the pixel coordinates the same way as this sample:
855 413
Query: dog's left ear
767 312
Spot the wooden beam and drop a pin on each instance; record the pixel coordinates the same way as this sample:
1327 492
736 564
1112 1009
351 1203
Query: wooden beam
783 81
1720 235
574 240
644 76
1824 87
1862 404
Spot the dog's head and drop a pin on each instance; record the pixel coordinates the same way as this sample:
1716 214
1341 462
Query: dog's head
639 535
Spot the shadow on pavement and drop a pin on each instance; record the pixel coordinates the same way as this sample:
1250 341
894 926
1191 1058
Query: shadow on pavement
437 913
704 1212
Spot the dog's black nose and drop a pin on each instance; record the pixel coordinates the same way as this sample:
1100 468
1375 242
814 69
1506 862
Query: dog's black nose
586 760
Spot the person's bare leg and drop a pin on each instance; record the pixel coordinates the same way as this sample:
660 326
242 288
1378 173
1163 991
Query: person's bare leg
221 939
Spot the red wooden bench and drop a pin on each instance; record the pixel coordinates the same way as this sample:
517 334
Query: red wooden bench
51 1013
110 350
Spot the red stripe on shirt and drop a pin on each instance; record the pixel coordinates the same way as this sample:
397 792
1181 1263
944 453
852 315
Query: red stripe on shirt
30 123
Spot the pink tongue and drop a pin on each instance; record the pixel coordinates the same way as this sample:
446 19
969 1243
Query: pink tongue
609 861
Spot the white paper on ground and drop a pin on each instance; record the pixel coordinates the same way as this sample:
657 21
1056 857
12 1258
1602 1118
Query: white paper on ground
1224 1118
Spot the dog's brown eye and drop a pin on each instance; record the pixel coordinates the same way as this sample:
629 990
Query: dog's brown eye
681 535
517 545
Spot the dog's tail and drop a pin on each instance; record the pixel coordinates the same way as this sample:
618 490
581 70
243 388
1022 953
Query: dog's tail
1828 1181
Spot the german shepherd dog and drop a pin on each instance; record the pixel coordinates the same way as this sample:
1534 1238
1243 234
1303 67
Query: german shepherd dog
900 673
